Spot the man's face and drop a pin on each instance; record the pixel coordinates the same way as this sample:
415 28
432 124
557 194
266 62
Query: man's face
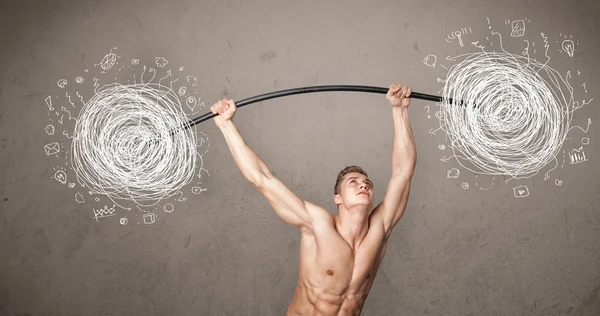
355 188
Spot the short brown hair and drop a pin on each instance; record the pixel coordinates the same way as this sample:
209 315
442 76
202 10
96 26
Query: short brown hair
345 171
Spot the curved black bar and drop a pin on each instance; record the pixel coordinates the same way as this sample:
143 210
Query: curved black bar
283 93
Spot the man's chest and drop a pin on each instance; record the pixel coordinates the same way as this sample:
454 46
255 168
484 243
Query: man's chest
328 261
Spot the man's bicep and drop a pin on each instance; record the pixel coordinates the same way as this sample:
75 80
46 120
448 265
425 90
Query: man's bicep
285 203
394 203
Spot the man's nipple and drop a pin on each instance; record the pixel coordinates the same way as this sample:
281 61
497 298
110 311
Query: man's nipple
330 272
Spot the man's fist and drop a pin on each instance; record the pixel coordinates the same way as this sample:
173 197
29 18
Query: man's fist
399 95
225 108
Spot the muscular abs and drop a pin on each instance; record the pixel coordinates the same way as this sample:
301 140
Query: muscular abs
334 279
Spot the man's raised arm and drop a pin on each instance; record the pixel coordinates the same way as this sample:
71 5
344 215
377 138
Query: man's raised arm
404 158
288 206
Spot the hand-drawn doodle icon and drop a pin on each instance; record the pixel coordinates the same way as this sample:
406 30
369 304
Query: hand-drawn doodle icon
585 141
71 185
441 147
558 182
161 62
79 79
60 176
135 61
197 190
439 115
52 148
61 83
123 221
169 208
104 212
49 103
577 156
453 173
465 185
181 68
430 60
191 102
108 61
189 78
79 198
182 91
49 129
521 191
97 199
149 218
458 34
569 47
518 28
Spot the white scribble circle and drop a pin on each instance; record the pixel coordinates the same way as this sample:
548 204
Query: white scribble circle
116 151
523 113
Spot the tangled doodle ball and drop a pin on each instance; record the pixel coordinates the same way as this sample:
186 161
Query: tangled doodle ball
521 115
113 151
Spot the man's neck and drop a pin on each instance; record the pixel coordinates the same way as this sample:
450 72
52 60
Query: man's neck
352 225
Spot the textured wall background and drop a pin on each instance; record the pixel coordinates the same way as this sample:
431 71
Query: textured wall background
475 251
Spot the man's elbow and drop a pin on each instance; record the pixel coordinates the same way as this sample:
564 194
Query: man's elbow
405 169
259 180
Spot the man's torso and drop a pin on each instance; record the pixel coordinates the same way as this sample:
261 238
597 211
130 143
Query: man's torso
334 279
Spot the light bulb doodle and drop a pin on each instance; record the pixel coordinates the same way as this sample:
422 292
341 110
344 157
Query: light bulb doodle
569 47
60 176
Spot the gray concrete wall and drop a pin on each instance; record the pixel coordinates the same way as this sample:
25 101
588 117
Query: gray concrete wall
475 251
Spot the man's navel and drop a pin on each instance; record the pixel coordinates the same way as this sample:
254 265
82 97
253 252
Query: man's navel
330 272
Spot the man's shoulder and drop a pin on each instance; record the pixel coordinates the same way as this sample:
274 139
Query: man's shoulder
317 212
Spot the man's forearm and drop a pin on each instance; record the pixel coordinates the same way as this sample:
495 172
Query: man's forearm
404 153
251 166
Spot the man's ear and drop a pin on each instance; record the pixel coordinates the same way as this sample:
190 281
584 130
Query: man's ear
337 199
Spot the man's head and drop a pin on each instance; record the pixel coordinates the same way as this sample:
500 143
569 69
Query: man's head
353 187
